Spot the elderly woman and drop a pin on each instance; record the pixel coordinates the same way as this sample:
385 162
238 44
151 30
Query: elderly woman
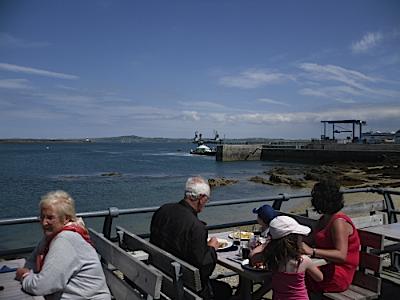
64 265
334 238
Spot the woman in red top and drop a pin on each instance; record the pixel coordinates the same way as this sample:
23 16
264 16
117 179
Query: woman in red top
335 239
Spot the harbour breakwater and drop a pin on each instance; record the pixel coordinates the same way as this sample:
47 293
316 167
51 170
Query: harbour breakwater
313 152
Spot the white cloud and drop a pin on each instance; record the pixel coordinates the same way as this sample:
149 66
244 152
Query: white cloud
367 42
32 71
271 101
191 115
336 73
331 92
253 79
202 105
353 83
18 84
363 113
7 40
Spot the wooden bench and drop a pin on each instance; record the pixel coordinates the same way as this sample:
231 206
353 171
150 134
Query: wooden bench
180 279
366 282
119 266
357 209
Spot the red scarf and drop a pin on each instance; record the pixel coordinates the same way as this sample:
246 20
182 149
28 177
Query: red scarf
70 227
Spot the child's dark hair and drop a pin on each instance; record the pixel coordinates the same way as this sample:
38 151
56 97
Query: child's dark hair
280 251
326 196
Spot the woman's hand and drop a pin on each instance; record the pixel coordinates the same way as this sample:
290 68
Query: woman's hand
21 273
305 249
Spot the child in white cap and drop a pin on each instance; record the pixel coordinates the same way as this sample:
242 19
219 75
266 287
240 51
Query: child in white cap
286 262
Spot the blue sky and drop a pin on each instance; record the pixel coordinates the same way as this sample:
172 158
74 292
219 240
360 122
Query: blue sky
272 69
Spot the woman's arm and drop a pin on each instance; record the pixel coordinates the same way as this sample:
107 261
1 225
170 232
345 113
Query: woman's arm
340 232
60 263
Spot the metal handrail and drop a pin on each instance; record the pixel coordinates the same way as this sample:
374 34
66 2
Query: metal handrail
114 212
128 211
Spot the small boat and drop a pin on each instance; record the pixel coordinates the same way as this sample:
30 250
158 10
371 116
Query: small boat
203 150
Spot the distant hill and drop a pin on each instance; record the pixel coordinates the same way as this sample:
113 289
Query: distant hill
138 139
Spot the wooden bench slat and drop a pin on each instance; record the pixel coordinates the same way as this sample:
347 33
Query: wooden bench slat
367 281
367 293
301 219
370 261
335 296
120 289
370 239
147 279
162 260
168 288
353 295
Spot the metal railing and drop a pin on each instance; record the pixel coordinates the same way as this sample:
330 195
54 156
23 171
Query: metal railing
113 212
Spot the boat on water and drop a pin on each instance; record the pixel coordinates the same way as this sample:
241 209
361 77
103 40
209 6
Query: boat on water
203 150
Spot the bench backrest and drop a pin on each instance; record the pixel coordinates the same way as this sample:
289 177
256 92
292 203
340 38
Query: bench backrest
370 266
187 283
146 280
301 219
362 208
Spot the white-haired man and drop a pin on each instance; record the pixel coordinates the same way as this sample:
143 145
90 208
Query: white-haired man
176 228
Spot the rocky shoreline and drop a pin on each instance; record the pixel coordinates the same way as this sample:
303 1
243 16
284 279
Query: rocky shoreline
350 175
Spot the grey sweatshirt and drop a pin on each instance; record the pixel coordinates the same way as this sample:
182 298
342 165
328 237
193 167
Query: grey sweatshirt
71 270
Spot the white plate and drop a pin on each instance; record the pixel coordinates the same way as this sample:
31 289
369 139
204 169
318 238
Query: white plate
226 244
251 268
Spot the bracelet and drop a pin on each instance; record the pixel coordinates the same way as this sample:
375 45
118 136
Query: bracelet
313 252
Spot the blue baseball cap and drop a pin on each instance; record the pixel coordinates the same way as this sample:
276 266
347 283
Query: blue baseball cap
265 213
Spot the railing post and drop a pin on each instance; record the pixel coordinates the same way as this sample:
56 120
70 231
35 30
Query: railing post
112 213
392 218
278 202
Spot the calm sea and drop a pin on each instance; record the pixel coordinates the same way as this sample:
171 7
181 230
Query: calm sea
148 174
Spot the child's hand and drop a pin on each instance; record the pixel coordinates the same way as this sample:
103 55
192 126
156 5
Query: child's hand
305 249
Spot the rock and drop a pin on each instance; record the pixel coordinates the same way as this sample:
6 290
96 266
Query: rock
279 178
111 174
260 179
214 182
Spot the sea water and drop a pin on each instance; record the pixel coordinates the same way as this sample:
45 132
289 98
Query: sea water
100 175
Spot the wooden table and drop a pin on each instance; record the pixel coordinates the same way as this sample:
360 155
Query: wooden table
389 231
229 259
12 287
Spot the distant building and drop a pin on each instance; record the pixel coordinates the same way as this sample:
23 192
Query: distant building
378 137
397 137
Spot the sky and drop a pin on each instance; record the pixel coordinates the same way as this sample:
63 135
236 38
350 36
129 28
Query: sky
269 69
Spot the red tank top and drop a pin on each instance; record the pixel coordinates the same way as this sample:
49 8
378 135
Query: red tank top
337 277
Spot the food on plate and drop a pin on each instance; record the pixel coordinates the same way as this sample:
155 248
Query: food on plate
222 243
244 235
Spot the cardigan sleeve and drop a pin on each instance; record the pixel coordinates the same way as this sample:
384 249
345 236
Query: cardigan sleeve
60 264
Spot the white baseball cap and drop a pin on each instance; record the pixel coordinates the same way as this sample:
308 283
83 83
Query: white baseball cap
283 225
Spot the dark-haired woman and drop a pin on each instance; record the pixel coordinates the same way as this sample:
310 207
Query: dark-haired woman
334 238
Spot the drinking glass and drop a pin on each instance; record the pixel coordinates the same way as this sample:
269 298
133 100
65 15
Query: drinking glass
236 236
256 229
